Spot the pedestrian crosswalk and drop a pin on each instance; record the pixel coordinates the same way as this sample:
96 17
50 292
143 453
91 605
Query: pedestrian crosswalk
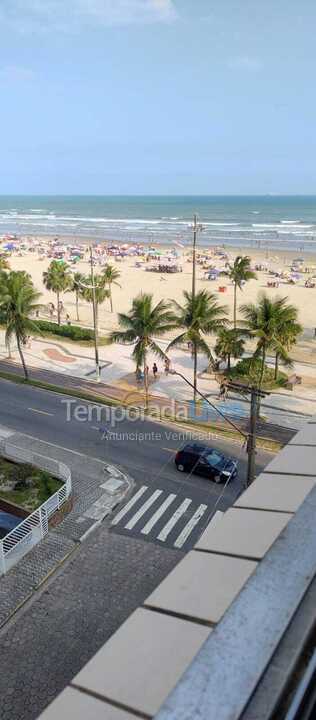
164 517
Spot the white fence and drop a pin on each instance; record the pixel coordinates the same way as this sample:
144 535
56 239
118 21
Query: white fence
31 530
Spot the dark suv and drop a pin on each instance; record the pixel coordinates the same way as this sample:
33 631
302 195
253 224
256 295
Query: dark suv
206 461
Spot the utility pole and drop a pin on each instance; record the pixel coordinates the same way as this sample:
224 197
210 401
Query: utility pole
251 444
255 395
95 323
250 436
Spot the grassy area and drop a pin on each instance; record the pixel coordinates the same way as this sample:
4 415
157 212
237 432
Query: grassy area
248 371
25 485
90 397
73 334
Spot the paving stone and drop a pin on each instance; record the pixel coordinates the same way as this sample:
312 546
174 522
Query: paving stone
276 492
178 593
296 460
143 661
77 705
105 580
233 533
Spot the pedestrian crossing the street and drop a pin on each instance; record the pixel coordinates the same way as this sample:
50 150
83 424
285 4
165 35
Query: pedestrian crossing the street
162 517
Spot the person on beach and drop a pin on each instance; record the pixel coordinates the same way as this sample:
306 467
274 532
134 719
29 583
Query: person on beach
167 365
223 391
155 370
68 319
139 376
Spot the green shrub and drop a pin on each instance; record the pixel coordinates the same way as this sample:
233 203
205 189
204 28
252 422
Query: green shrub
46 485
249 370
73 332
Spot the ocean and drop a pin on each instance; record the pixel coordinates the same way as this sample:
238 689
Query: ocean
281 222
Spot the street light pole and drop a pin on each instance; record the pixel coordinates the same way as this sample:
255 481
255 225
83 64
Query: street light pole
194 256
196 228
95 322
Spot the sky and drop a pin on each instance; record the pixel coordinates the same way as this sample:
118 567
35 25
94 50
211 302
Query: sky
157 97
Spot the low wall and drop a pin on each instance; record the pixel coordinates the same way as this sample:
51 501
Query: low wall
33 528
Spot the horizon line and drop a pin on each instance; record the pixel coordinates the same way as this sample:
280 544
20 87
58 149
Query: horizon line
161 195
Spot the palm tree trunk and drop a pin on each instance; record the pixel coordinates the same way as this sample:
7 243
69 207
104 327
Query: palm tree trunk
235 306
18 340
111 301
146 381
77 305
97 317
228 362
194 371
262 367
276 366
58 308
9 350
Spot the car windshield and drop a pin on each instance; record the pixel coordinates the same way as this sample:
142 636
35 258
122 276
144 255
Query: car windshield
215 459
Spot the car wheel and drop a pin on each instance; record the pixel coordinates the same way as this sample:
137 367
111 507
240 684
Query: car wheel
217 479
180 467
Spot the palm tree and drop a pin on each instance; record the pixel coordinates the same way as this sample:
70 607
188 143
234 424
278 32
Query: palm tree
18 300
239 272
230 343
58 279
111 275
77 288
266 321
4 264
100 292
288 330
141 325
199 316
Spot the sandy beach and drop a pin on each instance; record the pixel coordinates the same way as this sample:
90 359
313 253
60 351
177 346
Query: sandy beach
164 285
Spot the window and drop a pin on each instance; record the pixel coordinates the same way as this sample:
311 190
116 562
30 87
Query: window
215 459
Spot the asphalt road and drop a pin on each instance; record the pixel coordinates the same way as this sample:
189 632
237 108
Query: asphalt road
144 448
49 640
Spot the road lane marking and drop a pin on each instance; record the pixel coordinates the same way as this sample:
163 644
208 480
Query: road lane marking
155 517
129 505
190 526
173 520
41 412
172 450
132 522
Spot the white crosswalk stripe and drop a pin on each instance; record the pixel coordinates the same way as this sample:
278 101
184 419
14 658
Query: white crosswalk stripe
129 505
171 516
173 520
189 526
132 522
158 514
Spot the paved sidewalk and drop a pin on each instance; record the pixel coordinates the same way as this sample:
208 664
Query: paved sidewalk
65 364
95 494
